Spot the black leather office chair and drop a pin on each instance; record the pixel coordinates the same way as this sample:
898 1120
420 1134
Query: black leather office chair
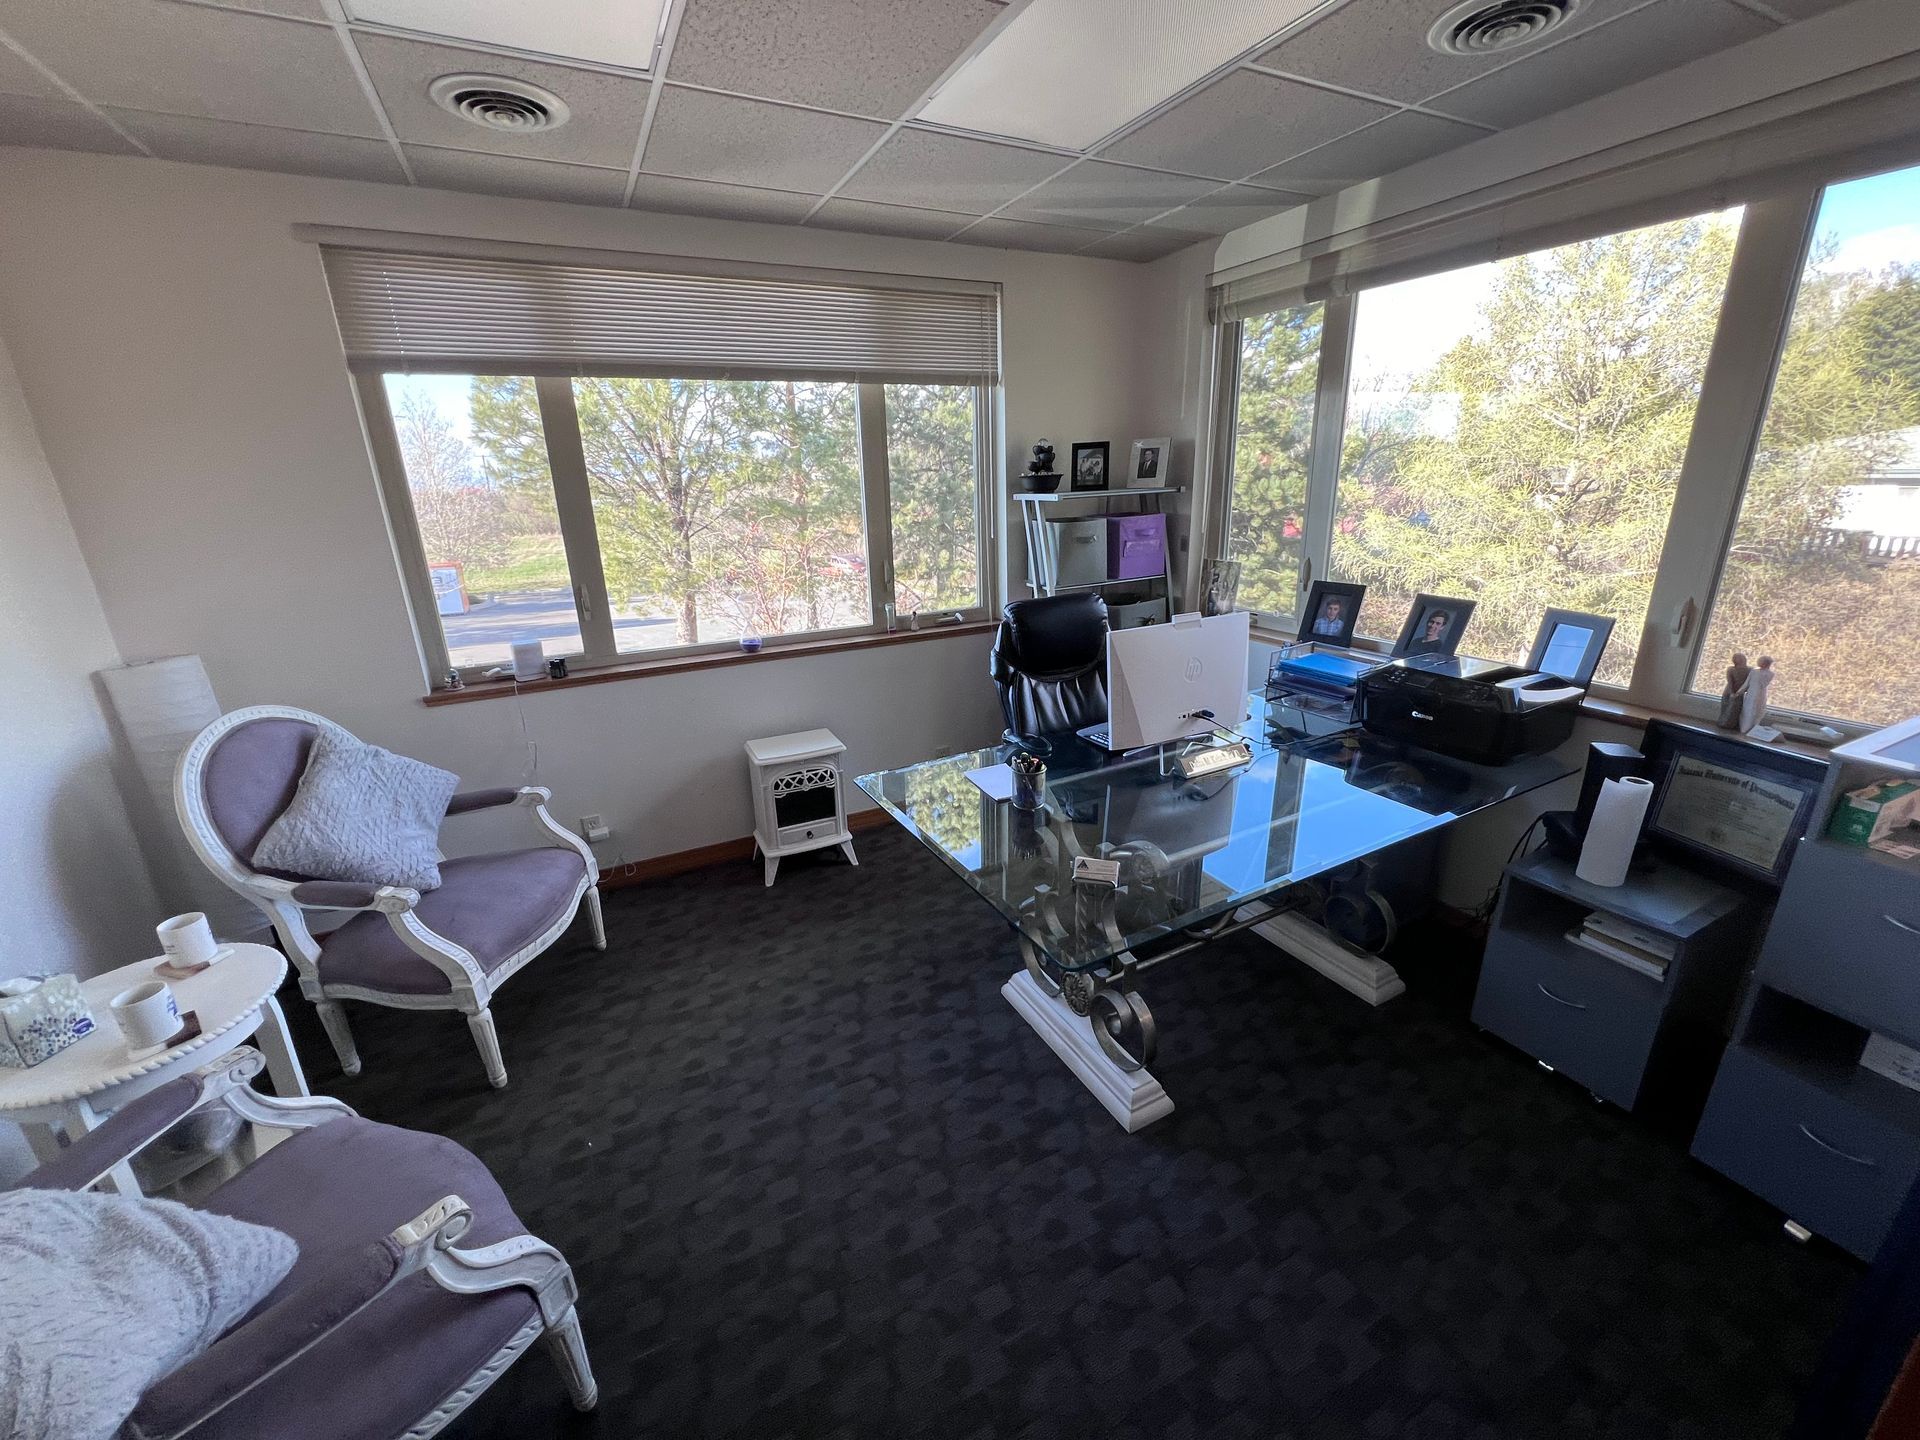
1050 663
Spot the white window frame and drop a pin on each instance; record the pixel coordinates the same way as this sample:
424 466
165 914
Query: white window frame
573 502
1770 255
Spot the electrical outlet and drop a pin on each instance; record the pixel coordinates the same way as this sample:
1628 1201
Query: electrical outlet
594 828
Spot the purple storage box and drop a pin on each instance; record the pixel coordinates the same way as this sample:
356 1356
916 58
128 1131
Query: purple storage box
1136 546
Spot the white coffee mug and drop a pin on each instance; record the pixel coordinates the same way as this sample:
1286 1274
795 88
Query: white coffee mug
148 1015
188 940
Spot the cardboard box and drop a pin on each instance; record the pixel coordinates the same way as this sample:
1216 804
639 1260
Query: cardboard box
1874 811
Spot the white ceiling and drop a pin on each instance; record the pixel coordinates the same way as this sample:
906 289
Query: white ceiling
806 111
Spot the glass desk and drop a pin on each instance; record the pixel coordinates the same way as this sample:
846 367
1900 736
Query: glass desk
1192 854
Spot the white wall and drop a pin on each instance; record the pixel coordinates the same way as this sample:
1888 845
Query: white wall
178 348
77 893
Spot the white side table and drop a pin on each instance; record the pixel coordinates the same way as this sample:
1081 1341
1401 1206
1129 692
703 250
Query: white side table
70 1094
798 804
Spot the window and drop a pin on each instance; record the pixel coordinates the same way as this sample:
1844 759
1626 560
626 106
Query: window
821 453
1515 432
1273 440
1823 572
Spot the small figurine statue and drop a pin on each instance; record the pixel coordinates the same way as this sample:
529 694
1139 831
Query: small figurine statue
1753 704
1735 692
1040 475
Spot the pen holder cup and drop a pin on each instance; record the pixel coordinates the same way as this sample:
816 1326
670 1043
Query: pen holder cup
1029 782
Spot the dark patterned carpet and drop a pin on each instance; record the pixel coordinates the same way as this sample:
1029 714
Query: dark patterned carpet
817 1179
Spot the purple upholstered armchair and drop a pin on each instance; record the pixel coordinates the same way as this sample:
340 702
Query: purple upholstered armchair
415 1288
445 949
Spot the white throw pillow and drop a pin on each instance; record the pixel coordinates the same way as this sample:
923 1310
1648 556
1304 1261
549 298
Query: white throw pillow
106 1294
361 813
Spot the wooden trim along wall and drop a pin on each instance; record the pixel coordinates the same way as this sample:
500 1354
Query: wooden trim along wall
679 862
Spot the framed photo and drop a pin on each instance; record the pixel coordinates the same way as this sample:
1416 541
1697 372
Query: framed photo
1434 626
1332 610
1223 587
1740 805
1569 644
1147 466
1089 465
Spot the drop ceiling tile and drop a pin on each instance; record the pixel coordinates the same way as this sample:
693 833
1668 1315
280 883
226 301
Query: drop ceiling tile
867 57
57 124
874 219
1380 149
1150 242
949 172
299 9
602 128
1380 47
1106 197
1805 9
747 142
1242 123
723 202
19 78
1645 43
508 175
1227 208
194 60
1023 235
262 147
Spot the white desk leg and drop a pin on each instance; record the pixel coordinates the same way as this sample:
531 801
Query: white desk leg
276 1045
1133 1097
83 1117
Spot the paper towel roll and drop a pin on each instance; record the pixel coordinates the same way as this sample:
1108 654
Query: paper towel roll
1618 813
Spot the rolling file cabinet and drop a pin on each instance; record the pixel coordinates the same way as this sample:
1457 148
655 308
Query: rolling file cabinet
1793 1115
1591 1018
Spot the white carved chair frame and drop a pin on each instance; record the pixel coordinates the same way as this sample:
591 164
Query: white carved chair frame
470 987
428 1242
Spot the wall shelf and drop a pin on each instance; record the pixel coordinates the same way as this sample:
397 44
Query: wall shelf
1055 496
1043 532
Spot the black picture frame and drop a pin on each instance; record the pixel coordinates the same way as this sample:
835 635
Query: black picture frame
1599 630
1085 451
1413 640
1737 765
1312 617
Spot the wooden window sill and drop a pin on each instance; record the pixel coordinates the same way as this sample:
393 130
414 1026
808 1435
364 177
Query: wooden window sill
674 664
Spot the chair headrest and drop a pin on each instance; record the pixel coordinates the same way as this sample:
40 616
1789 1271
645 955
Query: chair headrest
1055 634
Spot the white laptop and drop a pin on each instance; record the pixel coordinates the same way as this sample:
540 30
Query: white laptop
1160 678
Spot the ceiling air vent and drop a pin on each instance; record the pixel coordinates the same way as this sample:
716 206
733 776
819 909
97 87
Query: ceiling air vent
495 102
1480 28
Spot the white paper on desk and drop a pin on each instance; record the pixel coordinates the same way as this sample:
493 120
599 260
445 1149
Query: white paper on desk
1614 830
995 781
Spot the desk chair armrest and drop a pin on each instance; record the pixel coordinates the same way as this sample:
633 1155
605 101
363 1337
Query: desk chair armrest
139 1123
351 895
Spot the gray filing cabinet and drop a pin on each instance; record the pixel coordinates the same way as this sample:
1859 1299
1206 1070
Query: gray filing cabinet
1793 1116
1591 1018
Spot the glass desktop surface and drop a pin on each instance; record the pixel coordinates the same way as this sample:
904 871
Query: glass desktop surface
1190 850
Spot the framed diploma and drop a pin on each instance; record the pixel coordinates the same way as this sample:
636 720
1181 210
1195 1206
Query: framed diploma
1737 803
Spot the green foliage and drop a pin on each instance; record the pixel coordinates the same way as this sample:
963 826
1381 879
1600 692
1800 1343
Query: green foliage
1886 322
930 476
1279 364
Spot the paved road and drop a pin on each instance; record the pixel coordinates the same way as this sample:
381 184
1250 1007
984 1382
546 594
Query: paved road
481 636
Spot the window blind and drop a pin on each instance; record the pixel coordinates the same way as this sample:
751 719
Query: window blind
472 313
1733 158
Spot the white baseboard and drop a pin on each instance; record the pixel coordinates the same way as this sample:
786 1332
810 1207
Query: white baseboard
1133 1097
1367 976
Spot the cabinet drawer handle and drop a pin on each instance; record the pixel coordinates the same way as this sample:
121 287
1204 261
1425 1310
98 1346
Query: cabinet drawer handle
1558 999
1862 1160
1901 925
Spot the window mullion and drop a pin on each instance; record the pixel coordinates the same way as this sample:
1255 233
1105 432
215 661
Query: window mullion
871 404
989 497
1214 507
1754 315
391 468
1329 434
573 502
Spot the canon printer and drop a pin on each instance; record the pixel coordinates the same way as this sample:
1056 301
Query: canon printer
1484 710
